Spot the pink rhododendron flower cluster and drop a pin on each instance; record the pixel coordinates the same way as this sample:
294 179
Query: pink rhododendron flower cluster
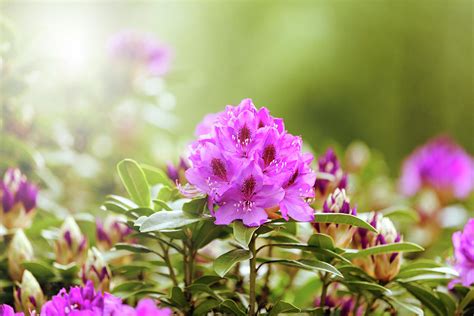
463 242
247 163
441 165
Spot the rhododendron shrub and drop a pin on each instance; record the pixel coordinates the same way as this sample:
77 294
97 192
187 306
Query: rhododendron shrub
246 223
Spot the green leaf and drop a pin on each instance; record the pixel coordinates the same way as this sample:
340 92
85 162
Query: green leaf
134 181
205 307
388 248
168 220
405 306
448 302
199 288
243 234
469 298
368 286
205 232
140 211
231 307
40 270
177 297
422 271
321 241
165 194
427 298
131 286
306 264
135 248
156 176
340 218
68 270
225 262
159 205
282 308
195 206
282 238
401 212
208 279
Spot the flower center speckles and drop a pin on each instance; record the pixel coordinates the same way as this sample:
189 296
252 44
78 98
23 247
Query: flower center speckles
269 154
218 168
248 187
244 135
293 178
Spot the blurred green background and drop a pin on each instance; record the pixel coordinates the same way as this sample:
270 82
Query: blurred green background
389 73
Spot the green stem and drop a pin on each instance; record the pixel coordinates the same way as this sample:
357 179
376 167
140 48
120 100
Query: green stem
324 289
369 306
166 259
253 276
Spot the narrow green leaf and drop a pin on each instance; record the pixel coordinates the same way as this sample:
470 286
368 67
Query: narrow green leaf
401 212
159 205
369 286
448 302
388 248
208 279
243 234
168 220
283 307
140 211
40 270
134 181
427 298
340 218
131 286
135 248
306 264
225 262
422 271
405 306
469 298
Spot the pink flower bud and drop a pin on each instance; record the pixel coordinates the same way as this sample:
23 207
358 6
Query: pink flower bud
28 297
96 270
112 230
19 251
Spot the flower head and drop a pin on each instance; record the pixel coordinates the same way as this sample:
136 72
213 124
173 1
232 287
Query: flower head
141 50
71 245
7 310
334 176
385 266
463 242
112 230
19 251
176 173
29 296
247 164
337 202
440 165
96 270
18 200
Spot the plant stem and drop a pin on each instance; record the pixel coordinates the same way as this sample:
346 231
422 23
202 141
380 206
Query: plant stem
369 306
253 276
324 289
166 258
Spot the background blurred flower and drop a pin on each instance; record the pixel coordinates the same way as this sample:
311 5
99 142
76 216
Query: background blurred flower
71 244
18 200
141 50
96 270
28 296
111 230
441 165
20 250
463 242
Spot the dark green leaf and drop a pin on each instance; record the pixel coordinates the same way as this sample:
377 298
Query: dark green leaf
368 286
427 298
321 241
225 262
208 279
134 181
135 248
405 306
282 308
340 218
177 297
205 307
469 298
242 233
231 307
199 288
195 206
207 231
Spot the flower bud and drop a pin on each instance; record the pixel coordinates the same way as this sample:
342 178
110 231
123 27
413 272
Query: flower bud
342 234
71 245
357 156
28 297
18 200
177 173
329 164
385 266
96 270
19 251
112 230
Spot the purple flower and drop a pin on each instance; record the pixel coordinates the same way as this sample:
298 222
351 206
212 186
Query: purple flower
71 245
141 50
176 173
334 178
95 269
7 310
248 165
18 200
463 242
441 165
85 301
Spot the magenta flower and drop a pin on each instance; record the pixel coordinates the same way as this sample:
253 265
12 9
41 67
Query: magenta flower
249 166
463 242
141 50
7 310
441 165
112 230
329 164
18 200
